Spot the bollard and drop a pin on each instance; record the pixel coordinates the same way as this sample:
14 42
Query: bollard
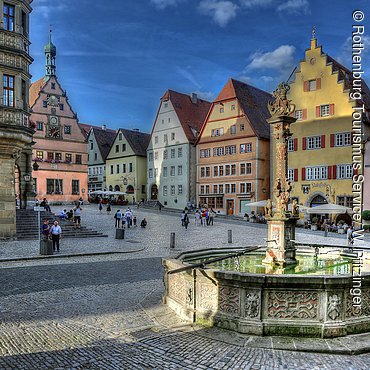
120 233
326 231
229 236
172 240
46 247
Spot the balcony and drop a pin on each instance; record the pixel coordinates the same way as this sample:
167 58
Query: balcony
13 117
15 41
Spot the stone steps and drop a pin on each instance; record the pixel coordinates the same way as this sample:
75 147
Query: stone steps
27 226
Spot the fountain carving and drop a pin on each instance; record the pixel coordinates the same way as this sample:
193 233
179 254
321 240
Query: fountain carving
281 223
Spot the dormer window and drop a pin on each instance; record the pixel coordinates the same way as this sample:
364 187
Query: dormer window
61 106
53 85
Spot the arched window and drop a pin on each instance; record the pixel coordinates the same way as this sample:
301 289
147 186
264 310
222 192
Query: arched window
130 189
110 188
117 188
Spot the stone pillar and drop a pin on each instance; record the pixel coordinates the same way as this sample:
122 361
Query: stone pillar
7 197
13 140
281 222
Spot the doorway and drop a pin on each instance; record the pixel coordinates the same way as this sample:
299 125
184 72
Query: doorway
154 192
230 207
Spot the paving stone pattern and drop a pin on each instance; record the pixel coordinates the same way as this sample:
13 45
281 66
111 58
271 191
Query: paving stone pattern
105 312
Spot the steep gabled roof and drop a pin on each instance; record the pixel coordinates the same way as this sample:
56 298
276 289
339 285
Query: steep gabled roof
85 128
345 75
190 114
253 101
137 140
104 137
35 89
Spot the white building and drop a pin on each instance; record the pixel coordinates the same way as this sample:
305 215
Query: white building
171 155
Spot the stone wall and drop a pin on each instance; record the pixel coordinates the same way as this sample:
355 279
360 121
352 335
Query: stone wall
293 305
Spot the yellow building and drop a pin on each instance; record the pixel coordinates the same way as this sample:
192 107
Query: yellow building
126 164
320 149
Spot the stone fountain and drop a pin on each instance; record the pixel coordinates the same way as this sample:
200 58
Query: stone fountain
276 290
281 224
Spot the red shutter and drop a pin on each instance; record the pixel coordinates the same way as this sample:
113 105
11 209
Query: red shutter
318 83
296 174
322 141
305 85
303 173
304 114
332 137
304 141
334 172
355 172
295 144
330 172
331 109
318 111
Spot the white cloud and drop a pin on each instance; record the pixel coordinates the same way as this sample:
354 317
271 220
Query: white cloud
255 3
267 79
206 95
281 59
222 11
188 76
294 7
162 4
46 7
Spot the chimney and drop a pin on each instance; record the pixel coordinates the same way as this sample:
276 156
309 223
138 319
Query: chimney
104 127
194 98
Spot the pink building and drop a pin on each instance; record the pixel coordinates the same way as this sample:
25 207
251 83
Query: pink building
61 148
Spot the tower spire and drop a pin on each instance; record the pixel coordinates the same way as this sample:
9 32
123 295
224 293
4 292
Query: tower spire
50 56
313 39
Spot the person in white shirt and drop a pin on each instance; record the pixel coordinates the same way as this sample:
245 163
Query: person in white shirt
56 235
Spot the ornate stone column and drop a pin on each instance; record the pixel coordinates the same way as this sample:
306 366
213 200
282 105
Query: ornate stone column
12 141
281 222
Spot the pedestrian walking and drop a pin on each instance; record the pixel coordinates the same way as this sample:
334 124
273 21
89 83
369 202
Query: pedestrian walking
77 216
350 237
186 221
56 235
108 209
123 220
128 215
100 207
182 218
45 229
117 217
197 218
135 221
207 216
212 215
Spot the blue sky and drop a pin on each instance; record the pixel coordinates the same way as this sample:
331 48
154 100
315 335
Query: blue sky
117 58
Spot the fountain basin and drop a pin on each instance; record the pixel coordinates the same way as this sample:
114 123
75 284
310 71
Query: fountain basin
266 304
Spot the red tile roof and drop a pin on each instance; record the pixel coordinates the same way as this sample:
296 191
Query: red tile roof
253 101
191 115
35 89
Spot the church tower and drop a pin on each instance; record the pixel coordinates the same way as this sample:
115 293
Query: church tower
60 148
50 55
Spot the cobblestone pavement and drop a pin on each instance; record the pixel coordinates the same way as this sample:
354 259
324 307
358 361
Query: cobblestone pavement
154 240
105 312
